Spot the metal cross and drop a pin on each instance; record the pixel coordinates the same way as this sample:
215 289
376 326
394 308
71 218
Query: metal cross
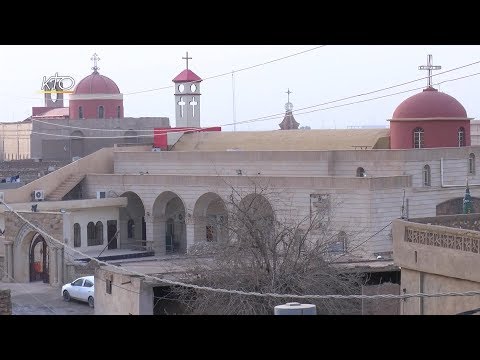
429 67
187 58
95 59
288 92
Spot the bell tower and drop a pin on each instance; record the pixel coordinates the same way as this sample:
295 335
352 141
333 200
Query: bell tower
187 98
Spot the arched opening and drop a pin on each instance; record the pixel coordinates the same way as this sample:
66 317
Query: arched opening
77 235
39 261
418 138
254 218
471 164
426 176
361 172
119 112
211 218
99 233
169 223
76 144
132 223
461 137
91 234
80 112
101 112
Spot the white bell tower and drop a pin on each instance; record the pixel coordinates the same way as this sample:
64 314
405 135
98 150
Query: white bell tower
187 98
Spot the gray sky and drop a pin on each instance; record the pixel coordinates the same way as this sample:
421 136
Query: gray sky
318 76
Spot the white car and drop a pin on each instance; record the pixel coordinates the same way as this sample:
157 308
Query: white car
81 289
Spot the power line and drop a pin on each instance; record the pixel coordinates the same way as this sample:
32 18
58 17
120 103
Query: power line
239 292
274 116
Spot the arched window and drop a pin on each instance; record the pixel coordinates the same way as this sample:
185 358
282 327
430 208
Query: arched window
461 137
426 175
418 135
101 112
90 234
471 163
77 236
99 233
80 112
119 112
131 229
340 245
360 172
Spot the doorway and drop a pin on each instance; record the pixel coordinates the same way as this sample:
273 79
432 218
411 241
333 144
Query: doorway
111 232
169 236
39 259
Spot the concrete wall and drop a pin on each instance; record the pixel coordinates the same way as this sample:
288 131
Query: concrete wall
130 296
436 259
381 306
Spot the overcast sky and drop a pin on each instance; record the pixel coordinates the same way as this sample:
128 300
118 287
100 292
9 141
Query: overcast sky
315 77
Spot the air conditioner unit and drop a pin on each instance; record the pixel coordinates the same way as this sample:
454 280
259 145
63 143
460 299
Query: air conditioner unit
39 195
156 150
1 196
75 158
101 194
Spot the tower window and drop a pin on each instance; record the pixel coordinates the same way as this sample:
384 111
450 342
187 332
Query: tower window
101 112
119 111
80 112
461 137
426 176
471 163
418 135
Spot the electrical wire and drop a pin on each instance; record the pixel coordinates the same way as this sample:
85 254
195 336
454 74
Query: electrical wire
239 292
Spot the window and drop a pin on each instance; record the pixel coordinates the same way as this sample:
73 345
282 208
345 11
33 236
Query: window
78 282
418 141
461 137
99 233
88 283
361 172
108 286
131 229
339 246
77 239
426 175
119 112
80 112
101 112
90 234
471 163
209 229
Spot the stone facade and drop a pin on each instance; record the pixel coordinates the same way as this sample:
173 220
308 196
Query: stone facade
437 259
5 302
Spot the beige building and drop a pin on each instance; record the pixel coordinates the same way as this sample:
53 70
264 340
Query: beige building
438 255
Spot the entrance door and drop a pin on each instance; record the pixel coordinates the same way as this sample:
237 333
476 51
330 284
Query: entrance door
39 259
169 235
111 231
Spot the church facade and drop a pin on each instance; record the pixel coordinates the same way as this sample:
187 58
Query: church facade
164 202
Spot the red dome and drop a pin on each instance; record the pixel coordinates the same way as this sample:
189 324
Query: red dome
96 84
430 103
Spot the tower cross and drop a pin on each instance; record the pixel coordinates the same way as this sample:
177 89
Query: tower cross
181 103
95 59
288 92
193 103
429 67
187 58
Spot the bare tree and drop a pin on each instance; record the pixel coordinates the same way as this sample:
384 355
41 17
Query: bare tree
270 251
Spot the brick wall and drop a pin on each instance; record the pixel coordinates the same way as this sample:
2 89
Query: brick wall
5 302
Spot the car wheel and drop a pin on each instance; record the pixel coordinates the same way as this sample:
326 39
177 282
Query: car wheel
90 301
66 295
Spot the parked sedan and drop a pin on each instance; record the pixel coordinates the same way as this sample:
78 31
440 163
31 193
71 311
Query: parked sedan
81 289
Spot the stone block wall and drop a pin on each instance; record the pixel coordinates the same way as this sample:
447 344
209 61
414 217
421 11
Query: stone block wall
5 302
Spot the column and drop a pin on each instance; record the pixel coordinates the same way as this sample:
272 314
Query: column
149 231
8 262
53 266
60 266
189 231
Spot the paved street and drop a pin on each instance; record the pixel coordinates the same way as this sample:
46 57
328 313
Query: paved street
41 299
